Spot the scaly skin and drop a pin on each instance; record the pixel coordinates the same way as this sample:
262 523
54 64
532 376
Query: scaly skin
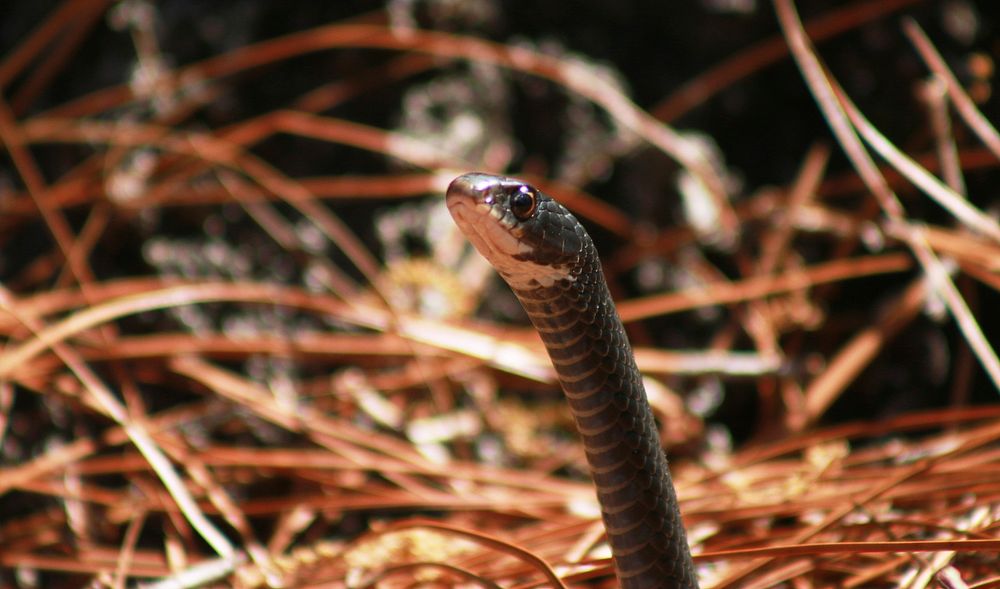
552 266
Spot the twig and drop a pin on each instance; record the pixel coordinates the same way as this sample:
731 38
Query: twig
136 431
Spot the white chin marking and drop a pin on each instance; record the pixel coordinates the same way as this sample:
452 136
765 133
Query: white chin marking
528 275
499 247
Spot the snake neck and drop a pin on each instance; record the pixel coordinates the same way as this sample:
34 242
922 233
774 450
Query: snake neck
586 342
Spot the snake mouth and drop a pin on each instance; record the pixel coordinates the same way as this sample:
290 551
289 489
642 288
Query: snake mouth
481 210
471 202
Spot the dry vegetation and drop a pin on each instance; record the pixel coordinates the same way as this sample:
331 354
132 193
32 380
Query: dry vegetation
243 344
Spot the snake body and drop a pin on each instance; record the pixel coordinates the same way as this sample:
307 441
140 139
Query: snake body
551 264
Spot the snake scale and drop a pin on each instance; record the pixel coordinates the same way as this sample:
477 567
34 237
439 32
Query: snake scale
551 264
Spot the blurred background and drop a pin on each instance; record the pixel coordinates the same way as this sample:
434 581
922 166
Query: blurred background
222 224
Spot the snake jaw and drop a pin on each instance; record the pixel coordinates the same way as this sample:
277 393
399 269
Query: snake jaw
481 211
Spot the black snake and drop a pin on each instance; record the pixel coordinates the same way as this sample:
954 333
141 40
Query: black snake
550 262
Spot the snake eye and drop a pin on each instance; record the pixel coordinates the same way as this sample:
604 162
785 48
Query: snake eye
523 203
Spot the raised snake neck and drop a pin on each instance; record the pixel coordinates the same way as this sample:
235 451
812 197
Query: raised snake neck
551 264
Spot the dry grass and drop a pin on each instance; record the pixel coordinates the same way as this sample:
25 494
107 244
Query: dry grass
270 400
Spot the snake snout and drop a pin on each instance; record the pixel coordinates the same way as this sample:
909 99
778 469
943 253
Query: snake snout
474 186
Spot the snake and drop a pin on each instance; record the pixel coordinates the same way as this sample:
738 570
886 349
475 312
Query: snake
550 262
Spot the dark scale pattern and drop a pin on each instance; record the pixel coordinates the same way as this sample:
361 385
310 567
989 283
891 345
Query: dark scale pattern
588 347
586 341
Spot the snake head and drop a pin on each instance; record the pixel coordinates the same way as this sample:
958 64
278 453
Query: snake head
529 238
